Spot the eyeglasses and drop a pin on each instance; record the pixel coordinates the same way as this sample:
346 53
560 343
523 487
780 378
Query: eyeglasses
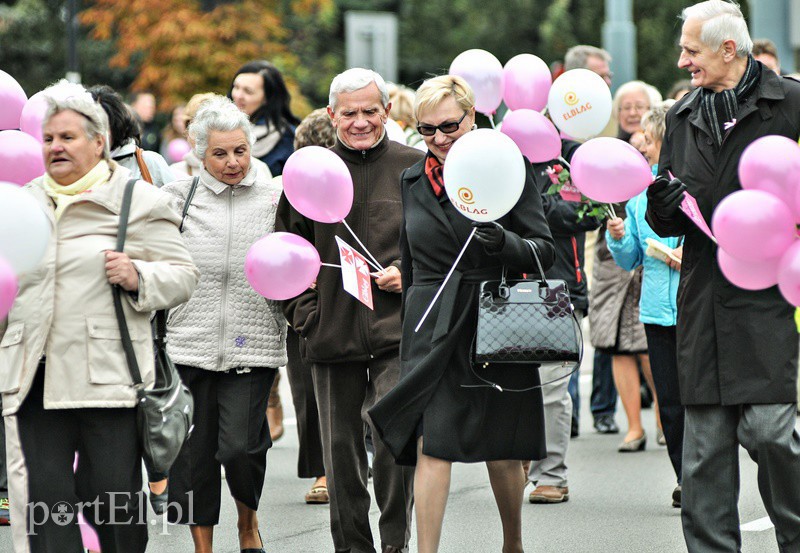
446 128
634 107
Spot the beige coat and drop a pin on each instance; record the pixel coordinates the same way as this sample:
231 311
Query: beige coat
65 311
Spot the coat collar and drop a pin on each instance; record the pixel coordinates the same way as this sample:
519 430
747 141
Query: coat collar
218 187
419 186
361 156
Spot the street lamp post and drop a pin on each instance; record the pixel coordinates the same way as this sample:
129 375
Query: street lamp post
73 72
619 39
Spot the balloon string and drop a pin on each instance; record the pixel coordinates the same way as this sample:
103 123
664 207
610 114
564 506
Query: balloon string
610 211
449 274
491 119
331 265
377 266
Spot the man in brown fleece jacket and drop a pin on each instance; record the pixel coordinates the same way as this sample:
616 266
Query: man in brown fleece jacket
354 351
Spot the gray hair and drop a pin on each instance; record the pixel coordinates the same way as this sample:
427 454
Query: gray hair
67 96
356 79
655 120
653 95
721 21
578 56
217 114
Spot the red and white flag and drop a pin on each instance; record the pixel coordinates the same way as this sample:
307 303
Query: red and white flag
355 273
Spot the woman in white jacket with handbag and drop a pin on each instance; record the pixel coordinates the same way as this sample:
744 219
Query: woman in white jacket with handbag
227 341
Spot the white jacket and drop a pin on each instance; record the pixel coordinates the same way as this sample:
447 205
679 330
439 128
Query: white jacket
226 324
64 308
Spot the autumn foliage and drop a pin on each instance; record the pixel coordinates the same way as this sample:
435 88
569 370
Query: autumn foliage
181 50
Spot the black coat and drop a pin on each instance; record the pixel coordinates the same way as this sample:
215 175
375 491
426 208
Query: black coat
569 234
460 424
734 346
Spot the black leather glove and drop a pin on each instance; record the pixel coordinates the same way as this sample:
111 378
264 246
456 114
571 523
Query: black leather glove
665 196
491 235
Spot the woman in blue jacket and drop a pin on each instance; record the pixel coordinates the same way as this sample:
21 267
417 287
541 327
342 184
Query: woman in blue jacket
631 243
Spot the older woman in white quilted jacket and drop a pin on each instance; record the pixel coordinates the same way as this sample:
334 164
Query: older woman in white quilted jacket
227 341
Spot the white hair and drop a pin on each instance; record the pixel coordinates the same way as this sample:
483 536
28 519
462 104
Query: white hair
721 21
356 79
578 56
217 114
653 95
67 96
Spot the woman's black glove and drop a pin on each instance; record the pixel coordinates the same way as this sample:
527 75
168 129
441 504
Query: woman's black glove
491 235
665 196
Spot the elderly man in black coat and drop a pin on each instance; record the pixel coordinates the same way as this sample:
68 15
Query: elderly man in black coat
737 349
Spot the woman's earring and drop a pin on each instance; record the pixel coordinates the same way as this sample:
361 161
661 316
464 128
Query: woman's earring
474 126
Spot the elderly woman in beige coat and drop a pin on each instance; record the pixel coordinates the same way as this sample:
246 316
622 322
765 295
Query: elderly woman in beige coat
63 373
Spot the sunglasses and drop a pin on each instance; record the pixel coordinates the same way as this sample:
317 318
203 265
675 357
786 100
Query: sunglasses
446 128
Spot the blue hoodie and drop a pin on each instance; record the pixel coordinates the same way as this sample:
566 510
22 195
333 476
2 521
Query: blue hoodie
660 283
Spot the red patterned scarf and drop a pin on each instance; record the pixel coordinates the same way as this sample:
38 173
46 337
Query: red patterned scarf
434 169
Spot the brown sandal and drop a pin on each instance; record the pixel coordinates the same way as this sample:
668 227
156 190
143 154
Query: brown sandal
318 495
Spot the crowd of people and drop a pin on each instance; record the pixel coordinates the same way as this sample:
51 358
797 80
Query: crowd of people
376 397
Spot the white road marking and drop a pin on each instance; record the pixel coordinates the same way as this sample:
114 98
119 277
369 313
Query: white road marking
758 525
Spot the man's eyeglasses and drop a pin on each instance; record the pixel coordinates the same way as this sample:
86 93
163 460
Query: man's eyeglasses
446 128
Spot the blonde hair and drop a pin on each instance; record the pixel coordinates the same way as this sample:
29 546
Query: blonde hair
402 100
655 120
194 104
434 90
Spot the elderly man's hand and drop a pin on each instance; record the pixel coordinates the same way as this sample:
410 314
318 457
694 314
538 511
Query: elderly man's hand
120 270
389 280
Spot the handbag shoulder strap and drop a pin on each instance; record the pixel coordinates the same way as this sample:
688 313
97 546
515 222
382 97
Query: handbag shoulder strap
188 201
143 166
127 346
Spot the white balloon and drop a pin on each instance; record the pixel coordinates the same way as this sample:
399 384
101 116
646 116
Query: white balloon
579 103
484 175
395 131
484 73
24 228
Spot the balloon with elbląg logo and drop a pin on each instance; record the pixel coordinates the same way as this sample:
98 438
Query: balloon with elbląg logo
579 103
484 175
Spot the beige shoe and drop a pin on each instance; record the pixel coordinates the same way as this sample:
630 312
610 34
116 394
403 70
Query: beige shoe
549 494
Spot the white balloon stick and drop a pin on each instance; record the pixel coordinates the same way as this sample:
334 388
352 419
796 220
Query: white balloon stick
375 263
449 274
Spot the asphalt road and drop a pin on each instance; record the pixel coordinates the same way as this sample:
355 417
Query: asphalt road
618 503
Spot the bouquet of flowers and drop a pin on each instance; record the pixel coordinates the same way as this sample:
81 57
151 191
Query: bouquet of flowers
562 185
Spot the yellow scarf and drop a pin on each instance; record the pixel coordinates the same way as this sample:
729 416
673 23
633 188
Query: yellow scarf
64 195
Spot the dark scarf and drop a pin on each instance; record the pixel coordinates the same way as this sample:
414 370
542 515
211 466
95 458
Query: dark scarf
434 170
720 108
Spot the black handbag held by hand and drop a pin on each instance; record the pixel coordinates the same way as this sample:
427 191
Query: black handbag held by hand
164 414
526 322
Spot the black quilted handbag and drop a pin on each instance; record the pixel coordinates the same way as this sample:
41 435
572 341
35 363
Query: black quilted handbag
526 322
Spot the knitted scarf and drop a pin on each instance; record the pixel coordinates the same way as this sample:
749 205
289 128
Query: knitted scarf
434 170
64 195
719 108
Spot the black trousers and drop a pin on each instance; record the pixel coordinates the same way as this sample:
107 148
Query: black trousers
230 429
345 391
663 350
107 484
309 458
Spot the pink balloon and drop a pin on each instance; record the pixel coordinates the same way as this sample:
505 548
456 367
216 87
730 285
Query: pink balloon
32 117
8 287
177 148
772 164
609 170
750 275
20 157
535 135
281 265
526 82
484 74
12 100
789 274
753 225
318 184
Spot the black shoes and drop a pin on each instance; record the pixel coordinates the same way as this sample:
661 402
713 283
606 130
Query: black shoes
574 430
605 424
676 497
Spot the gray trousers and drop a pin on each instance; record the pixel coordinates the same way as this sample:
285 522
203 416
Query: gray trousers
552 470
344 393
711 473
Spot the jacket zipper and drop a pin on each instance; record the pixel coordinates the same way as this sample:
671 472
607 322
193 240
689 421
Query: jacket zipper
575 257
362 230
225 268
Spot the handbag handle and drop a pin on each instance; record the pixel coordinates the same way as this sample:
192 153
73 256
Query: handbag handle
125 337
143 169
